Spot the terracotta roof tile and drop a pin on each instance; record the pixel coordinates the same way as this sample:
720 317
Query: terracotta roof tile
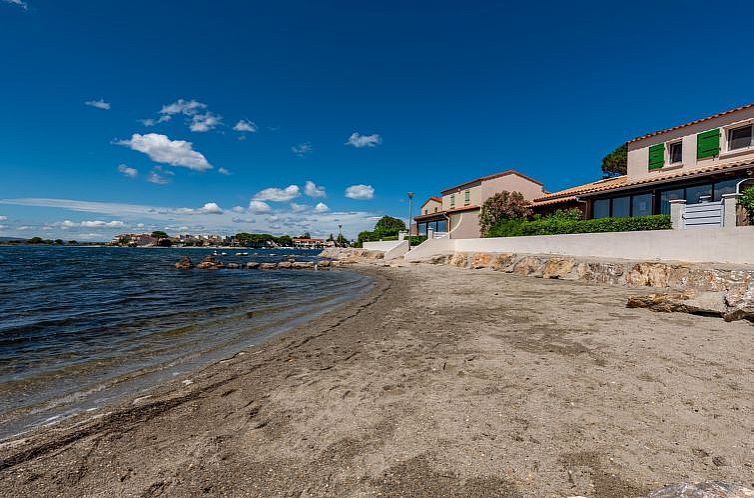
720 114
624 182
492 177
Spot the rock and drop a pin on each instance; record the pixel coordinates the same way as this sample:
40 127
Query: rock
291 259
649 275
268 266
252 265
504 262
184 264
481 260
706 303
284 265
233 266
558 267
529 265
210 263
439 259
459 259
601 273
303 265
323 264
707 489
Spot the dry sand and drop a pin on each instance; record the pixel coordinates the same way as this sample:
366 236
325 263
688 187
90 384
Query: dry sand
443 382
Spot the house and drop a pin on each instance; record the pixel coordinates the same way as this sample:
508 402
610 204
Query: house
457 211
697 161
304 243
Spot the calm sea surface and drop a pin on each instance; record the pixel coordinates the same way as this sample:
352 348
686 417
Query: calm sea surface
80 327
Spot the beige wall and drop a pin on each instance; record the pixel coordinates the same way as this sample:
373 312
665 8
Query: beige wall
475 198
465 225
431 206
511 183
638 152
392 248
701 245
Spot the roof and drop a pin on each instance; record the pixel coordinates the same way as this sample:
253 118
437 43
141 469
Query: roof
718 115
433 198
492 177
442 214
622 182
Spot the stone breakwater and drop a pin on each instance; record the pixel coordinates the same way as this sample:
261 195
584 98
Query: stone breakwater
211 263
689 288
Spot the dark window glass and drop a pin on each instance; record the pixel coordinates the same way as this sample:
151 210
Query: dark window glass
676 152
739 138
422 228
442 226
725 187
667 196
694 194
601 208
641 205
621 207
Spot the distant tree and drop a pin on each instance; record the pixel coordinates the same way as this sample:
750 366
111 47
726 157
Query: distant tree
159 234
342 241
388 226
164 242
284 240
59 242
35 240
331 238
503 206
72 243
615 163
306 235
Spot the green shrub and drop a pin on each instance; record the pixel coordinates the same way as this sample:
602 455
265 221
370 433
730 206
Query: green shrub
747 201
554 225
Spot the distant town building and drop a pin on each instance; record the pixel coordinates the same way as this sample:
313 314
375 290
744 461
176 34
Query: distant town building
310 243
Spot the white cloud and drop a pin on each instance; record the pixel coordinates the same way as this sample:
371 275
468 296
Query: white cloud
244 125
156 178
20 3
259 207
360 192
312 190
302 149
102 224
238 209
128 171
321 208
211 208
99 104
298 208
3 218
278 194
161 149
140 225
180 106
205 122
223 171
359 141
148 122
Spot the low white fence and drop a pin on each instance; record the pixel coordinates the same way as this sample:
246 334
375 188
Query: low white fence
392 248
721 245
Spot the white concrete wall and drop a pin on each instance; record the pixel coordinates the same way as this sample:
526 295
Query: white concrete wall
720 245
392 248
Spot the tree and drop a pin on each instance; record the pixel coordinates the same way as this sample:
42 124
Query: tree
341 241
164 242
306 235
35 240
388 226
159 234
503 206
331 238
59 242
284 240
72 242
615 163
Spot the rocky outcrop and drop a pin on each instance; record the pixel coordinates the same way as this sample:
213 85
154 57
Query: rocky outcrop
707 489
210 263
561 268
351 254
704 303
303 265
252 265
184 264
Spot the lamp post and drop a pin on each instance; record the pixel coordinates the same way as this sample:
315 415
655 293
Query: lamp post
410 210
340 233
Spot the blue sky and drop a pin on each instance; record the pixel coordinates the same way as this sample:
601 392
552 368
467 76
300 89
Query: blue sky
384 97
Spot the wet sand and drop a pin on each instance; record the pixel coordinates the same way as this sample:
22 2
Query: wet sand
442 382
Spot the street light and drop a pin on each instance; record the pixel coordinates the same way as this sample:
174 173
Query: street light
340 234
410 210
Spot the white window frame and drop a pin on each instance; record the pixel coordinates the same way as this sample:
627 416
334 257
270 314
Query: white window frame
725 146
668 157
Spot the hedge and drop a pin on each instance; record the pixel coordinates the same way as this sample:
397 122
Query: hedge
555 226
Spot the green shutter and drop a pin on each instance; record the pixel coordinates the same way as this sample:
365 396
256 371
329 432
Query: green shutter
656 156
708 144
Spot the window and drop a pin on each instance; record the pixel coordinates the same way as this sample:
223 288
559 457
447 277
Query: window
670 195
725 187
739 138
452 200
467 197
425 211
442 226
675 152
694 194
621 207
601 208
641 205
435 209
422 228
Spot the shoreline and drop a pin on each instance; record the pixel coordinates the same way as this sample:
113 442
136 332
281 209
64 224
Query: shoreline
491 384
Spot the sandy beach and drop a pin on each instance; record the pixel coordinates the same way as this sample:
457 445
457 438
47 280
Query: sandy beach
441 382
